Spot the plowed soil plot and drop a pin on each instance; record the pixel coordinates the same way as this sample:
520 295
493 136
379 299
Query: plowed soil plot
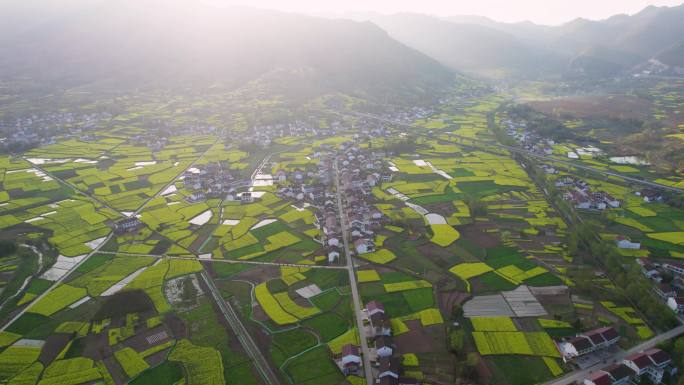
418 339
259 314
148 338
115 370
447 300
157 358
177 326
477 235
440 256
97 346
596 105
258 275
53 346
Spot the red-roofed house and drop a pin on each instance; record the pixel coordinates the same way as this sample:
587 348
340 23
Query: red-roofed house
620 373
589 342
374 307
389 367
675 267
660 358
639 363
351 360
381 325
651 363
384 346
664 291
599 378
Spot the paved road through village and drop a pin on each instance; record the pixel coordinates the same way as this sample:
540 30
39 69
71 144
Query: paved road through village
352 281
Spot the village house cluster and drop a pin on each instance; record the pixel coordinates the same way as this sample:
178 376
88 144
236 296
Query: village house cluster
580 194
128 225
533 142
528 140
314 187
44 129
264 134
406 115
158 133
359 171
651 364
649 195
212 180
588 342
667 292
386 360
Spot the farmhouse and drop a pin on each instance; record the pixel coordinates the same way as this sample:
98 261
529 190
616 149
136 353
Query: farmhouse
246 197
649 270
589 342
333 256
620 373
374 307
281 176
599 378
651 363
384 346
624 243
664 291
676 304
381 325
650 195
128 225
389 367
361 246
674 267
351 360
197 196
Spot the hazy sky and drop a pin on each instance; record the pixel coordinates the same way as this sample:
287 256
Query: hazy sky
538 11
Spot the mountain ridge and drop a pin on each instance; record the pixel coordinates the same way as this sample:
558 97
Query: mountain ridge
137 43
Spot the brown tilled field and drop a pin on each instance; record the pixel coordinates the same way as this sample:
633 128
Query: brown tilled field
617 106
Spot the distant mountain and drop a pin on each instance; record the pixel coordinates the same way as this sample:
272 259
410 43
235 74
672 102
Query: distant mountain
183 43
525 31
673 56
473 47
622 41
601 61
592 48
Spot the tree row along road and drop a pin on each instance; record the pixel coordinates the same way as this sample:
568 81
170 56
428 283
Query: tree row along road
232 261
529 153
352 283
